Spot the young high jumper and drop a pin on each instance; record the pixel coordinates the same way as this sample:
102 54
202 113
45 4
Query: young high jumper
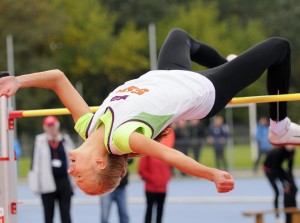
136 115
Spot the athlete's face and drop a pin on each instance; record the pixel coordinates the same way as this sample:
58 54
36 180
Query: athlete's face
80 165
87 160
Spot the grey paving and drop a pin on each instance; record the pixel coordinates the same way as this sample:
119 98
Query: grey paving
189 200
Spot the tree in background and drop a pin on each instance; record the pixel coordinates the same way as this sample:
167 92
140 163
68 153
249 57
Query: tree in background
278 18
140 12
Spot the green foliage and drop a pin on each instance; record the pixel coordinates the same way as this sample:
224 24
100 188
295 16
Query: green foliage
32 32
139 12
86 38
127 56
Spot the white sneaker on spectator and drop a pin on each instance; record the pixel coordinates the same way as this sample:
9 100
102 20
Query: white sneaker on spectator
290 137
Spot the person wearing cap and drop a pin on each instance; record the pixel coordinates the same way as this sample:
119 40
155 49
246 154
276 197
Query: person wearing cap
48 175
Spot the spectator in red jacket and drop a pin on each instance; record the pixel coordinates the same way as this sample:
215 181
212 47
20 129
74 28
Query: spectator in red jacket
156 175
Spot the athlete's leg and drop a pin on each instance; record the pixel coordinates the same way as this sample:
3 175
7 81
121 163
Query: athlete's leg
179 49
273 55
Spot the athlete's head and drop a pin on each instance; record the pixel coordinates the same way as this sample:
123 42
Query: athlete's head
93 169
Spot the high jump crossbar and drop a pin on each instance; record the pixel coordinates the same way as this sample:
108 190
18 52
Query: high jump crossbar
43 112
234 101
265 98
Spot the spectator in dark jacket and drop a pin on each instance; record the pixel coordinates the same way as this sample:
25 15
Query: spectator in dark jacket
218 135
274 170
196 134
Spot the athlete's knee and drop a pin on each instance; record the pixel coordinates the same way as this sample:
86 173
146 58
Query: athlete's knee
279 41
178 33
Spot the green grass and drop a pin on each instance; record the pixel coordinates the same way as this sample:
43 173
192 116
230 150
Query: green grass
240 155
241 158
24 165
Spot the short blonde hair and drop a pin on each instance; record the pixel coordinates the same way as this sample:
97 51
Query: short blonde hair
106 180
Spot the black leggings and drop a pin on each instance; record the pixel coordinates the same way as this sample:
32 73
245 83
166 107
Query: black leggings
229 78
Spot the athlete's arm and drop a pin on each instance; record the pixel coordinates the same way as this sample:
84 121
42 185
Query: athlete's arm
52 79
143 145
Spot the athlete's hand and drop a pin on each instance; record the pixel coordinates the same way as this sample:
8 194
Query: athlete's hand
8 86
224 181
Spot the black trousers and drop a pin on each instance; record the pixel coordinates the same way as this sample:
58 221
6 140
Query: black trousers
273 179
155 200
229 78
289 200
221 162
63 196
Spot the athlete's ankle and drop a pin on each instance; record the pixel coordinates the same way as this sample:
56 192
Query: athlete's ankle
279 127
